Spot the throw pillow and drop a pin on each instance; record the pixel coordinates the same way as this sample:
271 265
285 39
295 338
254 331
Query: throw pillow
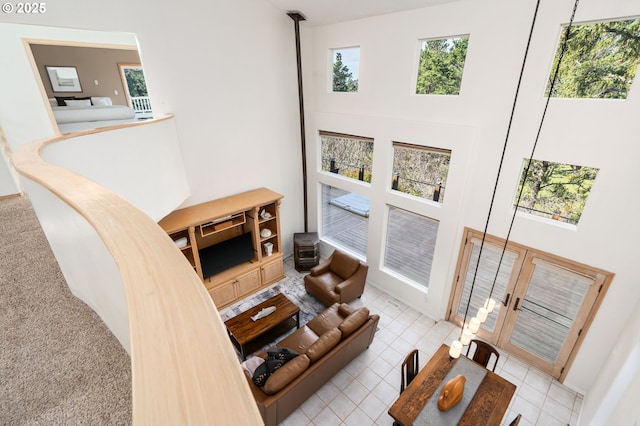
324 344
265 370
78 102
353 321
283 354
286 374
250 365
62 100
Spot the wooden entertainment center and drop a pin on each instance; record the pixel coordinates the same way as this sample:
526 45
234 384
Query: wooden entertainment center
224 240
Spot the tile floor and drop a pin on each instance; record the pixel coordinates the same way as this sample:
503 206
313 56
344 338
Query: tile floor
362 393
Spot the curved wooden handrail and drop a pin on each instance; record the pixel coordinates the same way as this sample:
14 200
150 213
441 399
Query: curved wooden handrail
183 366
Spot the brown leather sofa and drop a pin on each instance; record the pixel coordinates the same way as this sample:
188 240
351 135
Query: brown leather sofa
341 278
325 345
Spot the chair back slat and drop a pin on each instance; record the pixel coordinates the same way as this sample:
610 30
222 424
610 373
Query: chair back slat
410 367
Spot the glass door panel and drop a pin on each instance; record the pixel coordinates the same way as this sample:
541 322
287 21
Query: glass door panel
484 280
545 321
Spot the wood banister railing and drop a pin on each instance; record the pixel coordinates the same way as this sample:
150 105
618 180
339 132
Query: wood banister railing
184 368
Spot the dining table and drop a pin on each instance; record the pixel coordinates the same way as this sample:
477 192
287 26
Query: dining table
485 400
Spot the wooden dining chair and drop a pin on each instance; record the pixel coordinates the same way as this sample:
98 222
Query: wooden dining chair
483 352
410 367
516 421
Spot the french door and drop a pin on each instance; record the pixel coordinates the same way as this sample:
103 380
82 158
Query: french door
545 303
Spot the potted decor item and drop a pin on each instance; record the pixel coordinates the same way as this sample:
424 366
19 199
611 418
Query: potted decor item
268 248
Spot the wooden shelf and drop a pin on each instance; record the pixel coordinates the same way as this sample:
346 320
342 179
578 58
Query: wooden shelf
220 222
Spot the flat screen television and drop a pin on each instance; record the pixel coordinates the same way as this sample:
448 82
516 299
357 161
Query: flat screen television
227 254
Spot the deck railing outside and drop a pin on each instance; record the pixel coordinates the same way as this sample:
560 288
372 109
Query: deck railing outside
142 106
433 190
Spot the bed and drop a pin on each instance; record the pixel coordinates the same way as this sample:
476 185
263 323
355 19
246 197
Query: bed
73 114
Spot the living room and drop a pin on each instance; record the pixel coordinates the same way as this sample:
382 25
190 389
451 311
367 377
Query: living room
217 107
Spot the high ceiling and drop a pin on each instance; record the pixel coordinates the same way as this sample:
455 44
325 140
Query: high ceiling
322 12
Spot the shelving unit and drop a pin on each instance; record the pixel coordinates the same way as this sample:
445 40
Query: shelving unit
227 232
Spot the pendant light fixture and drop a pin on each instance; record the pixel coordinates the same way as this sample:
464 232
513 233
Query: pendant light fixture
472 328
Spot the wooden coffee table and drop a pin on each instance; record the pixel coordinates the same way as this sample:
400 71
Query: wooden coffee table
248 335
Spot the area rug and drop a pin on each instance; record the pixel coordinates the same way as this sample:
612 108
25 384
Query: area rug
293 288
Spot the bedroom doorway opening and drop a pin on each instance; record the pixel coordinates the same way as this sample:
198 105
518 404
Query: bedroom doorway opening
136 90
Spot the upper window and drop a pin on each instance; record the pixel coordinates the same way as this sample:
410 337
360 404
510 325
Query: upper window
441 66
554 190
346 66
420 171
600 61
347 155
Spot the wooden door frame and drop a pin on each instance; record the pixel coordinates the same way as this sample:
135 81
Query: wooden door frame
602 279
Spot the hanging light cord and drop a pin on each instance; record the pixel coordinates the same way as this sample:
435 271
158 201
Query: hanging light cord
567 36
504 149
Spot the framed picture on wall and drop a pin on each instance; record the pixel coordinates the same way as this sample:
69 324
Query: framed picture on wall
64 79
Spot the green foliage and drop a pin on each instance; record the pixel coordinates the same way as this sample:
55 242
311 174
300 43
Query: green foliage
350 154
441 66
419 170
556 188
135 82
343 78
600 60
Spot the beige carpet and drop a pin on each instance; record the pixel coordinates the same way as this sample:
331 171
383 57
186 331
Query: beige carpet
59 364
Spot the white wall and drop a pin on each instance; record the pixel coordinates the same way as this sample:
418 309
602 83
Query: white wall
586 132
227 70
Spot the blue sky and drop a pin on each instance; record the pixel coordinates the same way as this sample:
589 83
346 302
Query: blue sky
350 58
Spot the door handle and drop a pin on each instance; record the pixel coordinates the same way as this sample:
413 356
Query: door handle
506 300
515 306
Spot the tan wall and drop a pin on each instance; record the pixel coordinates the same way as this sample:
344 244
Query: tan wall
93 64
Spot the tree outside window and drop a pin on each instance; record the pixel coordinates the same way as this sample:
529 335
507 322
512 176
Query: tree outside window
420 171
345 69
600 61
441 66
554 190
347 155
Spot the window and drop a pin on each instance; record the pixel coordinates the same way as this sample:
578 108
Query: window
554 190
410 245
600 61
345 219
441 66
420 171
346 67
347 155
136 87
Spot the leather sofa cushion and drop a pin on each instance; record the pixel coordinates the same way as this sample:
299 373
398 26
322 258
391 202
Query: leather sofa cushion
343 264
265 370
324 344
286 374
345 310
353 321
326 320
299 340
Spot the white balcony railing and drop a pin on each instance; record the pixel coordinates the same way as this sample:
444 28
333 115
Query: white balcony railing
142 106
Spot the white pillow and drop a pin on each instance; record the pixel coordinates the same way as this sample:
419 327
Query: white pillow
101 100
78 102
250 365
